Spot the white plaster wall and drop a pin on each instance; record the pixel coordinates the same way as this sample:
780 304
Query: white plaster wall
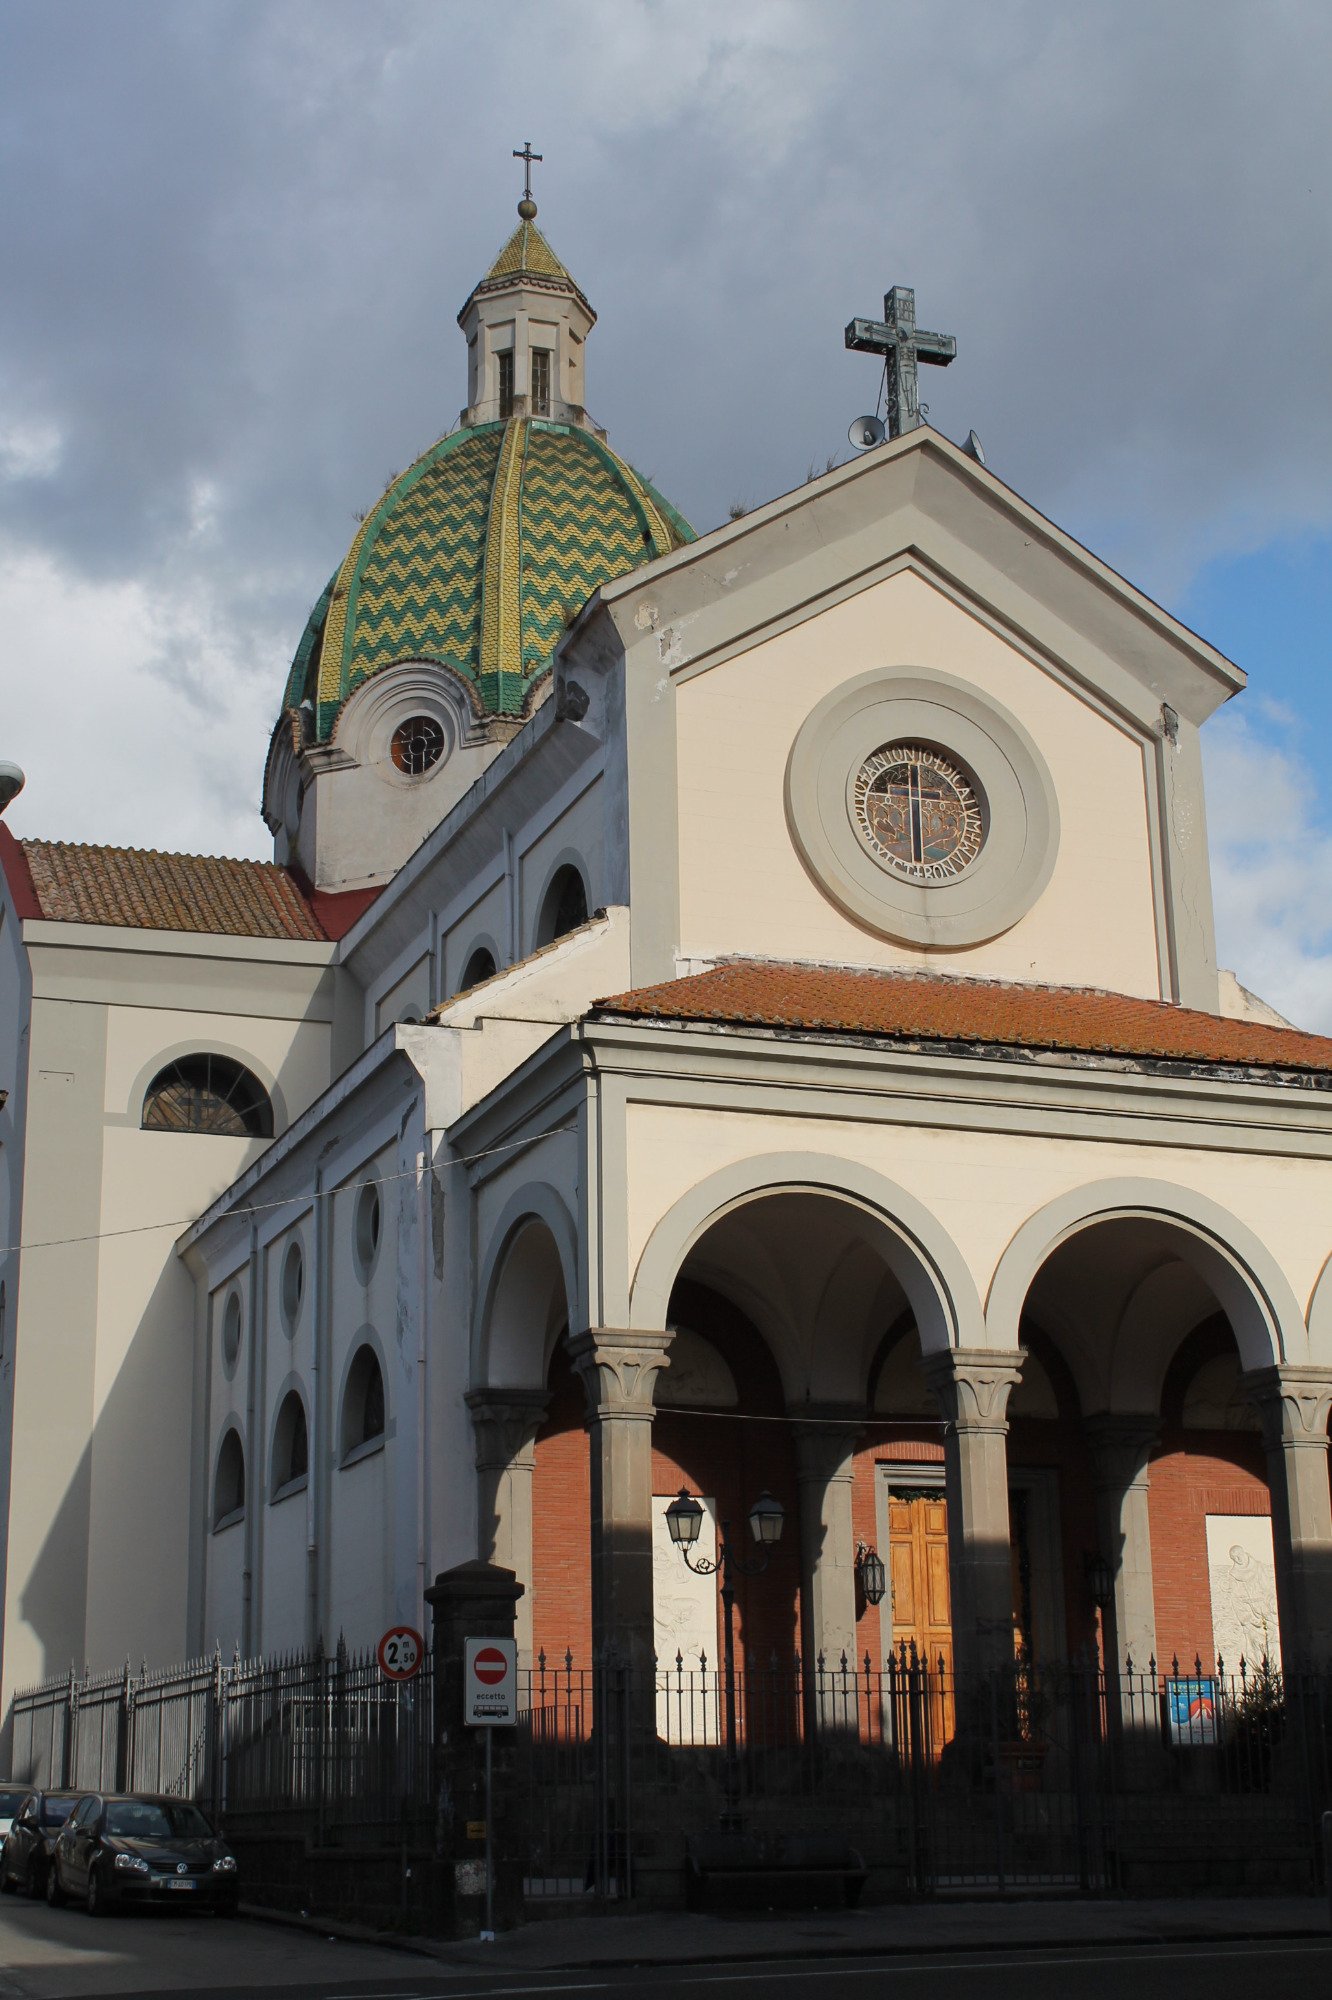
485 922
576 835
408 998
981 1185
361 1595
226 1563
281 1590
743 887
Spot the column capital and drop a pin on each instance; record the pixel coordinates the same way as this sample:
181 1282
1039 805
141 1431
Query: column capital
1121 1443
506 1422
619 1367
1293 1402
826 1436
972 1385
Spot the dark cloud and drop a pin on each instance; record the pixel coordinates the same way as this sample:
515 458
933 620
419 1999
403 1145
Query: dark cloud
239 234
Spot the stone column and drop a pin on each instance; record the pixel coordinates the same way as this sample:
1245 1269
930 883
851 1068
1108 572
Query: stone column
1121 1446
619 1369
1293 1402
972 1386
506 1422
474 1601
825 1451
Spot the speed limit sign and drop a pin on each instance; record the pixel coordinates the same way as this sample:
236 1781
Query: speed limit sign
400 1653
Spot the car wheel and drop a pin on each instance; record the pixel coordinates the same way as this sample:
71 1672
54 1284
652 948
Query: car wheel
34 1882
94 1902
7 1883
228 1906
55 1895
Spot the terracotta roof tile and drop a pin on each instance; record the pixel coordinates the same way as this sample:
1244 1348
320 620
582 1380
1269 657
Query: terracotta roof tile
922 1007
204 893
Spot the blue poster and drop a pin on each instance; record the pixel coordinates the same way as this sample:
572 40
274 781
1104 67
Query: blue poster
1192 1710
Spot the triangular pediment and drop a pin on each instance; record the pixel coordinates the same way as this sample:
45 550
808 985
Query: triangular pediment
920 502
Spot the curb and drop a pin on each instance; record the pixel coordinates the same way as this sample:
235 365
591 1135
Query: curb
469 1951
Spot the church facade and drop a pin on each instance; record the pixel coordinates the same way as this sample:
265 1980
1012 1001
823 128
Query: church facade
734 1013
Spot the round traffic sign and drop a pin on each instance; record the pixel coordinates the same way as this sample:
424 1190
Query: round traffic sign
490 1666
400 1653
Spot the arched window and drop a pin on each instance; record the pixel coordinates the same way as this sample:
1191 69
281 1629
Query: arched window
565 906
291 1445
208 1093
481 965
229 1481
363 1403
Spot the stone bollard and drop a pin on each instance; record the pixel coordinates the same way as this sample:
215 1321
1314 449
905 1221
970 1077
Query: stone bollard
475 1600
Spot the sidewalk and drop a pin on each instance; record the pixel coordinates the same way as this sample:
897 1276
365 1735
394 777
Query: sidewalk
566 1944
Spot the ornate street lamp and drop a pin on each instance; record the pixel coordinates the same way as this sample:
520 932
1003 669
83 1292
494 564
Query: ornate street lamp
684 1518
1100 1580
871 1575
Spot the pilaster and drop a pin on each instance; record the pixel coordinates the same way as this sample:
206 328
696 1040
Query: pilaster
506 1422
1121 1446
1294 1402
825 1455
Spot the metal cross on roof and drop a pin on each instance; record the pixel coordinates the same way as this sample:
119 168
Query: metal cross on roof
526 156
897 337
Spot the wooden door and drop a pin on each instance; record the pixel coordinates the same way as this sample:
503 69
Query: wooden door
921 1610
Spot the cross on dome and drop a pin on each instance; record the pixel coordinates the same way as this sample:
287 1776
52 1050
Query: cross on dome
903 344
527 208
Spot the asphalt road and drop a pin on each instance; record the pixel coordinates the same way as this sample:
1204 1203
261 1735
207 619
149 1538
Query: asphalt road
51 1954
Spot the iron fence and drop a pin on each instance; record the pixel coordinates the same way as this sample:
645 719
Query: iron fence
1032 1778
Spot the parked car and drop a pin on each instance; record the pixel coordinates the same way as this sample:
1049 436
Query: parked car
134 1847
11 1798
26 1853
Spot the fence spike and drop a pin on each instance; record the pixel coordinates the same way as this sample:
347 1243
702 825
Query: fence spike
844 1661
1174 1665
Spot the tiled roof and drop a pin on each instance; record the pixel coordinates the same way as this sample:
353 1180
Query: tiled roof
920 1007
475 557
527 251
168 892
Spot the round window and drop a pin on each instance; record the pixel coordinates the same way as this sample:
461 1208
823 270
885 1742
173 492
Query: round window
417 745
231 1332
367 1228
293 1285
918 812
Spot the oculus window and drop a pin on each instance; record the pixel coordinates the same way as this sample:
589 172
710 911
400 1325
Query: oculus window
417 745
208 1093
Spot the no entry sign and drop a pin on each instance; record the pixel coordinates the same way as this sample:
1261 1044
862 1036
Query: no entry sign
490 1682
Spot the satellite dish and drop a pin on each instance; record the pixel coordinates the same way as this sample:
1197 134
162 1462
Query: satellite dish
972 448
866 431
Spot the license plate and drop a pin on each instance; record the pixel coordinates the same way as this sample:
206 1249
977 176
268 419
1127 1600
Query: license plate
174 1884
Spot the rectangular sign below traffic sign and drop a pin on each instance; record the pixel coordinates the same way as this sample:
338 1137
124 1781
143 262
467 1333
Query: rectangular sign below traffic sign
490 1683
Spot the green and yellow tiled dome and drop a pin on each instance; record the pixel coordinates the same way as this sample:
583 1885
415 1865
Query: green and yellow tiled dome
477 557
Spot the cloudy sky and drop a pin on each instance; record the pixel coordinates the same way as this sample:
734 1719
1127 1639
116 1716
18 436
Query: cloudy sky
234 238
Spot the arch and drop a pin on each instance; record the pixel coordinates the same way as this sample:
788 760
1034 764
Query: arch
289 1448
363 1403
512 1286
481 963
229 1479
565 900
1250 1286
917 1249
1320 1317
207 1093
170 1052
